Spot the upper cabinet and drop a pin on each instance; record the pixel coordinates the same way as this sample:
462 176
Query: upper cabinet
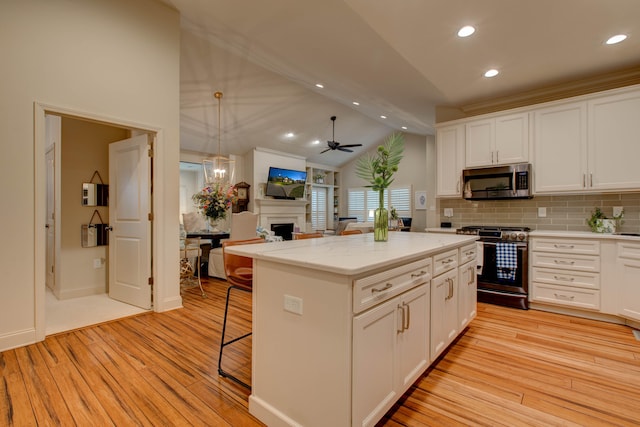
450 160
560 146
614 142
590 145
497 140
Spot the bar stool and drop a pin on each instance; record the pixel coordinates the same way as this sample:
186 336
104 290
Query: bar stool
239 272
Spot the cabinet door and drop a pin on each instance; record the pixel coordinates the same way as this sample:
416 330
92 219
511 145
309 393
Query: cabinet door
467 294
629 270
479 147
413 341
444 311
374 362
450 160
560 147
512 139
614 145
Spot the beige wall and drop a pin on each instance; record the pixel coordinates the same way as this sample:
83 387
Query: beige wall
413 171
85 149
566 213
114 59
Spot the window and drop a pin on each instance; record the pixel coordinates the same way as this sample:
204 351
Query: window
319 208
363 201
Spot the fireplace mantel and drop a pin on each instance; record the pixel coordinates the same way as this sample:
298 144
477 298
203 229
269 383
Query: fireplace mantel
277 211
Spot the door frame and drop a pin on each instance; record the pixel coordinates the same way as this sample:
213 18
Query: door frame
158 240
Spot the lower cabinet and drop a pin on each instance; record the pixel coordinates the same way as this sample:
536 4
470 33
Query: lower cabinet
390 351
467 294
628 263
444 311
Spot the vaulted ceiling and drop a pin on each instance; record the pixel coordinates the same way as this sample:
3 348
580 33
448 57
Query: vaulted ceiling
400 59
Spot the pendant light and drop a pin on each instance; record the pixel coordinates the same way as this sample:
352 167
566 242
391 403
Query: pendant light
218 169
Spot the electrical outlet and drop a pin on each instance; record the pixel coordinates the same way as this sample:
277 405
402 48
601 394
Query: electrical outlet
448 212
542 212
617 210
293 304
97 263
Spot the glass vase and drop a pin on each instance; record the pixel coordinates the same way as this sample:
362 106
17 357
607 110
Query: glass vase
380 225
213 224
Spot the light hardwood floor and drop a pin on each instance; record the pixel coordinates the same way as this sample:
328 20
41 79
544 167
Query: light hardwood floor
510 368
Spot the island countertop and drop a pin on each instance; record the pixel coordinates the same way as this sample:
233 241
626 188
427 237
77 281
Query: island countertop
353 254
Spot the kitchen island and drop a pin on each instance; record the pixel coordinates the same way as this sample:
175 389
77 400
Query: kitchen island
343 325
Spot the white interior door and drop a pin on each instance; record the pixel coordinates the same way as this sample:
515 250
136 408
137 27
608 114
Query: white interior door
129 209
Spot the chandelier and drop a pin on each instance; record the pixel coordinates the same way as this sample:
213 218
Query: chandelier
218 168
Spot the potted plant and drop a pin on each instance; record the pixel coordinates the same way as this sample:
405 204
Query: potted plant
319 178
378 170
599 223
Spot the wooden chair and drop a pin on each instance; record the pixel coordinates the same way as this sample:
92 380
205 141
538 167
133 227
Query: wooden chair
307 236
239 272
190 249
347 232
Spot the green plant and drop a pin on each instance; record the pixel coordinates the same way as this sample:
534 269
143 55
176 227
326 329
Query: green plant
593 220
378 169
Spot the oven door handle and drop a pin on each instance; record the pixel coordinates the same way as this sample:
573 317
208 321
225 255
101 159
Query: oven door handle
520 245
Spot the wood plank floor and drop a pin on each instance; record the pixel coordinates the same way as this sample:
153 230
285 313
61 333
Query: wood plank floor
510 368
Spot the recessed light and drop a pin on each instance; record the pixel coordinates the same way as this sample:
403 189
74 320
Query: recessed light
616 39
355 103
466 31
320 85
404 128
316 142
290 135
491 73
383 117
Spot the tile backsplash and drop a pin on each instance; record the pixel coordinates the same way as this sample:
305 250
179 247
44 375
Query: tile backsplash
567 213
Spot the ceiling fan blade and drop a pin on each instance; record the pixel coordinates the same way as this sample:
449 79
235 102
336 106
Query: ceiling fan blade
341 148
352 145
325 150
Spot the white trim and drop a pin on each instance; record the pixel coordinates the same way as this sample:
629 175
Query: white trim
160 271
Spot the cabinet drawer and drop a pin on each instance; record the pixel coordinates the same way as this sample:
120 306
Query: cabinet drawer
628 250
556 277
565 246
468 253
572 297
566 262
380 287
444 262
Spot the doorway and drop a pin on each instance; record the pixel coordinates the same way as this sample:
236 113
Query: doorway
77 290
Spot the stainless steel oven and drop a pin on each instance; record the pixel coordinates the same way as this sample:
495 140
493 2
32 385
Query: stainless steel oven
503 265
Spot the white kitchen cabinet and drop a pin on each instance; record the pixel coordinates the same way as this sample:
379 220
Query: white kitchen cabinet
614 142
390 340
628 264
467 294
444 311
449 160
497 140
560 147
566 272
588 146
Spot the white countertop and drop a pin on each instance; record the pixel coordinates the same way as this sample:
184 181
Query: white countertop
353 254
581 235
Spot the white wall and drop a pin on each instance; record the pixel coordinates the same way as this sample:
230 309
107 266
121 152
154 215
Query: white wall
112 59
412 171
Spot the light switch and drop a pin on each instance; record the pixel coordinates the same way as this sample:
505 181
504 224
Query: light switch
448 212
542 212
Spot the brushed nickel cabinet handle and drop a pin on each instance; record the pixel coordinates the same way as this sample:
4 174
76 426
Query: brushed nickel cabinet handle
387 286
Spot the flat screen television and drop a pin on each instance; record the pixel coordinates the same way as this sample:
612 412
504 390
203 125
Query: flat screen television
285 183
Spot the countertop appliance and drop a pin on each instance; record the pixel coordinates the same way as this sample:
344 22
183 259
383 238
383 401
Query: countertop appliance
502 264
502 182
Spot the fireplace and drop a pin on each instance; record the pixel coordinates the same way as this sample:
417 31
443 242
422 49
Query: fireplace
274 211
284 230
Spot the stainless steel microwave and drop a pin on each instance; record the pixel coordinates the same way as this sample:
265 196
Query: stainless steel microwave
502 182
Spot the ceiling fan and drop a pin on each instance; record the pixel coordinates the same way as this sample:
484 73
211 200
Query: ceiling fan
335 145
